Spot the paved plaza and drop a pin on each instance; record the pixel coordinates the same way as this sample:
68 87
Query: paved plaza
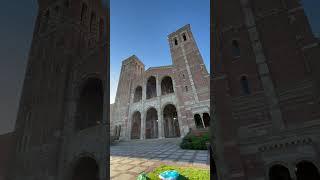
130 158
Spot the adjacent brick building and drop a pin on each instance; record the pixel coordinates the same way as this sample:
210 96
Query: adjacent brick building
265 89
165 101
6 151
61 126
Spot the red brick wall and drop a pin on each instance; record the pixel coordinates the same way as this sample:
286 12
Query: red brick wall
6 149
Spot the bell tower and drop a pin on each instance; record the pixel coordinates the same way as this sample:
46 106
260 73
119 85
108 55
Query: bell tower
66 72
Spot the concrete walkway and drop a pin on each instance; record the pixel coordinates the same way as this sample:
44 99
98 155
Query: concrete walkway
130 158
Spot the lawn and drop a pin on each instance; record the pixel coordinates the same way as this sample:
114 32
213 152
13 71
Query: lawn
185 172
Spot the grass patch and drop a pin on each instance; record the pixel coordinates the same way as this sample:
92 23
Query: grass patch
185 172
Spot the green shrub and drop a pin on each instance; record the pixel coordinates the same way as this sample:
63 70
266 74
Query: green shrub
191 141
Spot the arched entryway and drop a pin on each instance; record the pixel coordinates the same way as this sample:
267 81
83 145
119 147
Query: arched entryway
279 172
198 121
307 170
136 125
86 168
152 123
90 104
170 120
206 119
151 87
166 85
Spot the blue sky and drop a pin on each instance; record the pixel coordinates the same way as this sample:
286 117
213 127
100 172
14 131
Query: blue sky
141 27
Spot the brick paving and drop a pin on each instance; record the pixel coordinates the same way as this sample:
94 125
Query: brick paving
130 158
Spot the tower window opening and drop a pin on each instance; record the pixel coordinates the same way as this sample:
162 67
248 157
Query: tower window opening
101 28
57 9
235 48
66 3
92 19
83 11
186 87
46 21
184 37
245 85
175 41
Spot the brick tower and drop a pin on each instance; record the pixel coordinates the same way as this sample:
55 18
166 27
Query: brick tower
265 89
61 126
190 74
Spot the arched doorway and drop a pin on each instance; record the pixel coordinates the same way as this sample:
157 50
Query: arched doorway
307 170
170 120
86 168
198 121
166 85
90 104
152 124
136 125
206 119
151 87
279 172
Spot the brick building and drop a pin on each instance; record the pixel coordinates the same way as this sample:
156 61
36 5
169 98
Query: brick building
6 151
265 89
64 85
165 101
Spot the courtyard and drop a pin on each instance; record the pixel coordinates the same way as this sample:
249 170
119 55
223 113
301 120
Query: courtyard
129 158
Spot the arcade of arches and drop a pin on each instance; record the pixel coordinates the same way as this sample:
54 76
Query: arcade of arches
303 170
86 168
90 104
169 120
151 88
202 122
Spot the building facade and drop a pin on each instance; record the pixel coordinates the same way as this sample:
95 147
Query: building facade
165 101
265 90
6 151
61 125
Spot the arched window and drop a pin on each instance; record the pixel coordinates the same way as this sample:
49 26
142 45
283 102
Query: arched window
101 29
279 172
198 121
46 19
184 37
92 20
235 48
166 85
57 9
137 94
307 170
66 3
83 12
175 41
151 87
119 131
206 119
245 85
90 104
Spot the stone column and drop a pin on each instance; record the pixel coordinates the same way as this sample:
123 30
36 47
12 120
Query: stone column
202 121
160 124
143 125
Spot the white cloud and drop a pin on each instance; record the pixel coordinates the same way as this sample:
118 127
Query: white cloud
114 79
